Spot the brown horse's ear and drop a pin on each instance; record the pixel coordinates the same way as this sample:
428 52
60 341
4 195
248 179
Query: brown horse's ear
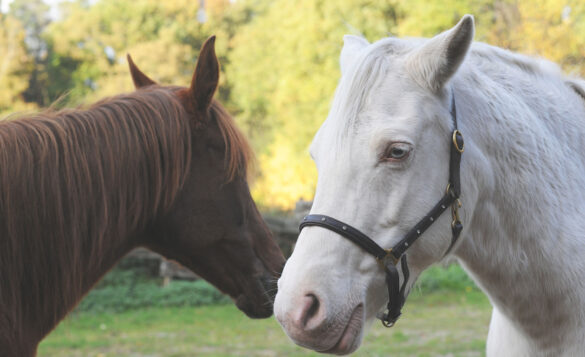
206 76
140 79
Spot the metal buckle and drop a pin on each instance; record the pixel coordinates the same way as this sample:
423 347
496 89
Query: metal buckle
455 212
388 255
451 192
456 144
387 323
385 318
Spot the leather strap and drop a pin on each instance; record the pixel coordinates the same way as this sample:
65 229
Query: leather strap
411 236
450 198
396 292
346 231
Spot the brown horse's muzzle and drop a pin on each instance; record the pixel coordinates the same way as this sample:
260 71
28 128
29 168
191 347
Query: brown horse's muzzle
270 286
258 299
259 303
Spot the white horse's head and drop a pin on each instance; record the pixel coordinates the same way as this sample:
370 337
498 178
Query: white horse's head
383 162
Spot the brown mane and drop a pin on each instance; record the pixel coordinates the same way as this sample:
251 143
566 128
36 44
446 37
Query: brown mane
238 152
94 173
80 188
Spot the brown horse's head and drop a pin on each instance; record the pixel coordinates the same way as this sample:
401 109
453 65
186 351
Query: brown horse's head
213 226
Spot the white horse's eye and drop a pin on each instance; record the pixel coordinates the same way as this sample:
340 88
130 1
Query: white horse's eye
396 152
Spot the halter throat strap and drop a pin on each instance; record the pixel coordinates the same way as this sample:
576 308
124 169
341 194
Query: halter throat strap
389 258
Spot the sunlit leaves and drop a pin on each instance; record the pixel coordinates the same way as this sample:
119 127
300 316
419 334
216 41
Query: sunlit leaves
283 72
15 65
279 57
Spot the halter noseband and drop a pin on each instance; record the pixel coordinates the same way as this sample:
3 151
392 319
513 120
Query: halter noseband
389 258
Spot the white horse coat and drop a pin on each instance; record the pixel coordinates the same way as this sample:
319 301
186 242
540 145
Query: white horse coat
382 156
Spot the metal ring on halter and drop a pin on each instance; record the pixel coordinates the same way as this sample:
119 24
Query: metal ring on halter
389 255
449 190
457 133
387 323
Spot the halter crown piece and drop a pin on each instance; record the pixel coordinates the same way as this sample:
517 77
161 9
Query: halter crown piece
389 258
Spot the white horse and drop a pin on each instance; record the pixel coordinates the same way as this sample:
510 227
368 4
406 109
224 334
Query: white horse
383 161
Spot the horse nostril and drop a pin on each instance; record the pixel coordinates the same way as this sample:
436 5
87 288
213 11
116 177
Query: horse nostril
307 315
313 309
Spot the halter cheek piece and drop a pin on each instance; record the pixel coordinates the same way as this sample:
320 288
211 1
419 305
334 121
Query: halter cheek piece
389 258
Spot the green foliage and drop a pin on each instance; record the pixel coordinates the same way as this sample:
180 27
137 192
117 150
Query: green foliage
133 287
162 37
452 278
283 76
554 29
34 16
15 64
119 298
279 57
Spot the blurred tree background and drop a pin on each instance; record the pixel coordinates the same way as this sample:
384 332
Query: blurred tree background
279 57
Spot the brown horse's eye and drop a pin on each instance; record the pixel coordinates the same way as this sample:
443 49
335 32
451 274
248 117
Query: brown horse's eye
397 152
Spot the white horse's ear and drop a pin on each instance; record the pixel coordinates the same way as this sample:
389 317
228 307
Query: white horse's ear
352 46
437 60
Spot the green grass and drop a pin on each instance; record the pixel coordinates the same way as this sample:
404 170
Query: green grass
148 294
130 314
133 284
433 324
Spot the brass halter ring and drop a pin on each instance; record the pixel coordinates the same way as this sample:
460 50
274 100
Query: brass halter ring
455 134
390 256
388 323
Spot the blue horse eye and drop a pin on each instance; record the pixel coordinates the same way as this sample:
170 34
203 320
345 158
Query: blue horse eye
397 153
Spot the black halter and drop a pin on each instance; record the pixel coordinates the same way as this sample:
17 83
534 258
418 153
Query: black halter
389 258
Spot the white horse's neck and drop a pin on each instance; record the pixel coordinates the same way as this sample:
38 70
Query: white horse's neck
524 165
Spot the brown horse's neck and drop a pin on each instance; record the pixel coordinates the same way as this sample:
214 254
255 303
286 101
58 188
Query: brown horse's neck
46 296
77 189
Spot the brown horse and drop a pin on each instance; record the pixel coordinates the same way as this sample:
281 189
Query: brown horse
162 167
